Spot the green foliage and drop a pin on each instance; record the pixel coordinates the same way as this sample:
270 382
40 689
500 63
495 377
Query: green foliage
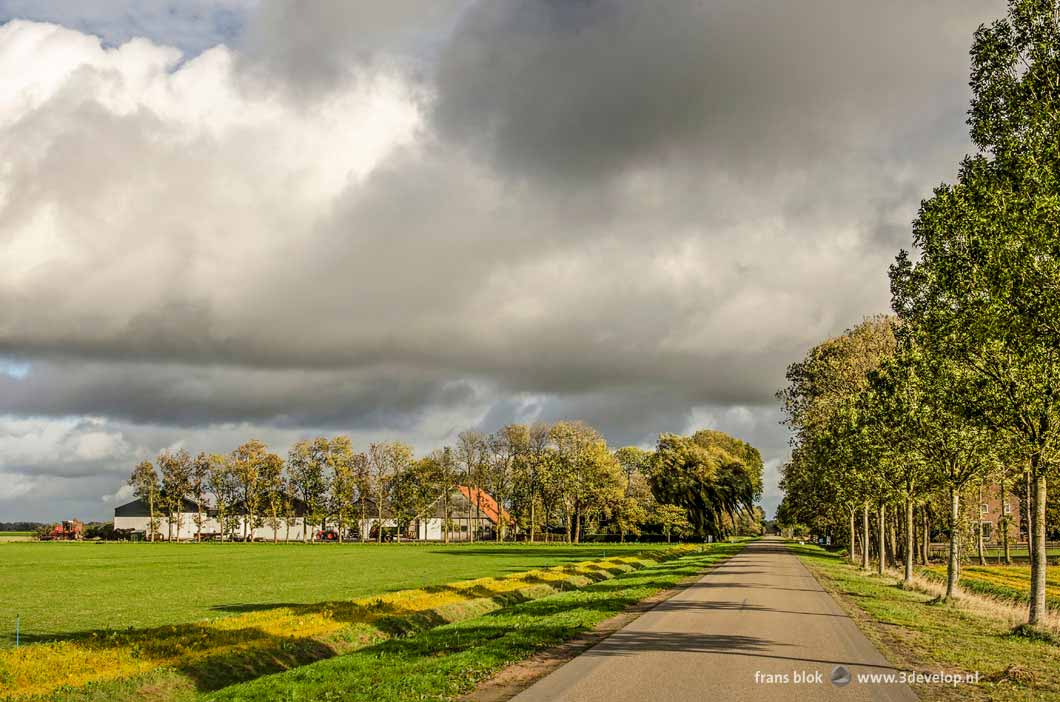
712 476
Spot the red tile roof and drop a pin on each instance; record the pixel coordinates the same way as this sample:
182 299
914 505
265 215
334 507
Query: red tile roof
486 503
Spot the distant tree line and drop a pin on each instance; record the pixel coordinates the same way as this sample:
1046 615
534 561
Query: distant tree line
962 387
553 479
20 526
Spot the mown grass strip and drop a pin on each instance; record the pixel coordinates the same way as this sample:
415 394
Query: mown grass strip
451 660
916 633
214 653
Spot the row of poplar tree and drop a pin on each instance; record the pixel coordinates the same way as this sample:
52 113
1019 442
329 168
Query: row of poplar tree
963 384
559 477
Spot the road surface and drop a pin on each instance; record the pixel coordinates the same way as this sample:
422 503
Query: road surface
759 627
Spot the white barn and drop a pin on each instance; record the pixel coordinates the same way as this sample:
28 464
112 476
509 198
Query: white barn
135 516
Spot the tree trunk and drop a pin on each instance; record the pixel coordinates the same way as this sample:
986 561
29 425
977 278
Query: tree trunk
951 565
979 527
500 521
533 514
577 524
470 505
1037 610
445 520
926 557
1004 521
909 541
853 530
882 563
379 517
865 536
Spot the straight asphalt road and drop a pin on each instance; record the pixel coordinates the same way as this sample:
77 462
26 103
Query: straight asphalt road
759 627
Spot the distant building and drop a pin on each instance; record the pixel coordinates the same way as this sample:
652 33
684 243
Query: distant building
135 516
991 510
471 512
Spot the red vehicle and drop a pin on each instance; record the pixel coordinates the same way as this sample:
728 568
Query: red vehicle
71 530
326 535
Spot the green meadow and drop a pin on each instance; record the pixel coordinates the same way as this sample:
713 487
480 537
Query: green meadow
63 588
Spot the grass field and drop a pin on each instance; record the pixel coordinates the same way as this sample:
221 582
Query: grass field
1010 582
65 588
917 634
183 661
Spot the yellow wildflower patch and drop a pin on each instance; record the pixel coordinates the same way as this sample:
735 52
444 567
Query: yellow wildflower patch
1016 578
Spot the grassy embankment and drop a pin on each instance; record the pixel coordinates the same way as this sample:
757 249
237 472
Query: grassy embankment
917 633
181 661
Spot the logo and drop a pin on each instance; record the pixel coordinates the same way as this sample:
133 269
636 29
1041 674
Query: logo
840 676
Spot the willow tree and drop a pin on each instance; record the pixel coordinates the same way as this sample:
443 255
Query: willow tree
711 475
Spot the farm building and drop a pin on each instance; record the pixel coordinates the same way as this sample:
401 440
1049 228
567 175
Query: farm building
472 513
135 516
992 509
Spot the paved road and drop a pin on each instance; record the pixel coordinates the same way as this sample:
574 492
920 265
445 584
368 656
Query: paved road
760 612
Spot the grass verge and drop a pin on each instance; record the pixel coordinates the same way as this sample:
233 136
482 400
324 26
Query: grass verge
448 661
917 633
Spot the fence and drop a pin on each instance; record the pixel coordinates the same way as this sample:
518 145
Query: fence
1018 550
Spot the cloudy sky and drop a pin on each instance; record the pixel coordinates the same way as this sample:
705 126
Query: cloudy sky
223 220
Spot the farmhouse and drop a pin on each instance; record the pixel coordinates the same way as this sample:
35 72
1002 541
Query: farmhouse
992 509
473 513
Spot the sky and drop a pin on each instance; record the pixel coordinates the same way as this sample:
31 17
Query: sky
224 220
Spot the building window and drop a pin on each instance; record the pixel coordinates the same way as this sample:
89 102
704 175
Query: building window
988 530
984 508
1008 509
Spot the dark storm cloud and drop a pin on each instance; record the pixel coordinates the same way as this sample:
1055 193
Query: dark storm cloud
195 396
588 89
